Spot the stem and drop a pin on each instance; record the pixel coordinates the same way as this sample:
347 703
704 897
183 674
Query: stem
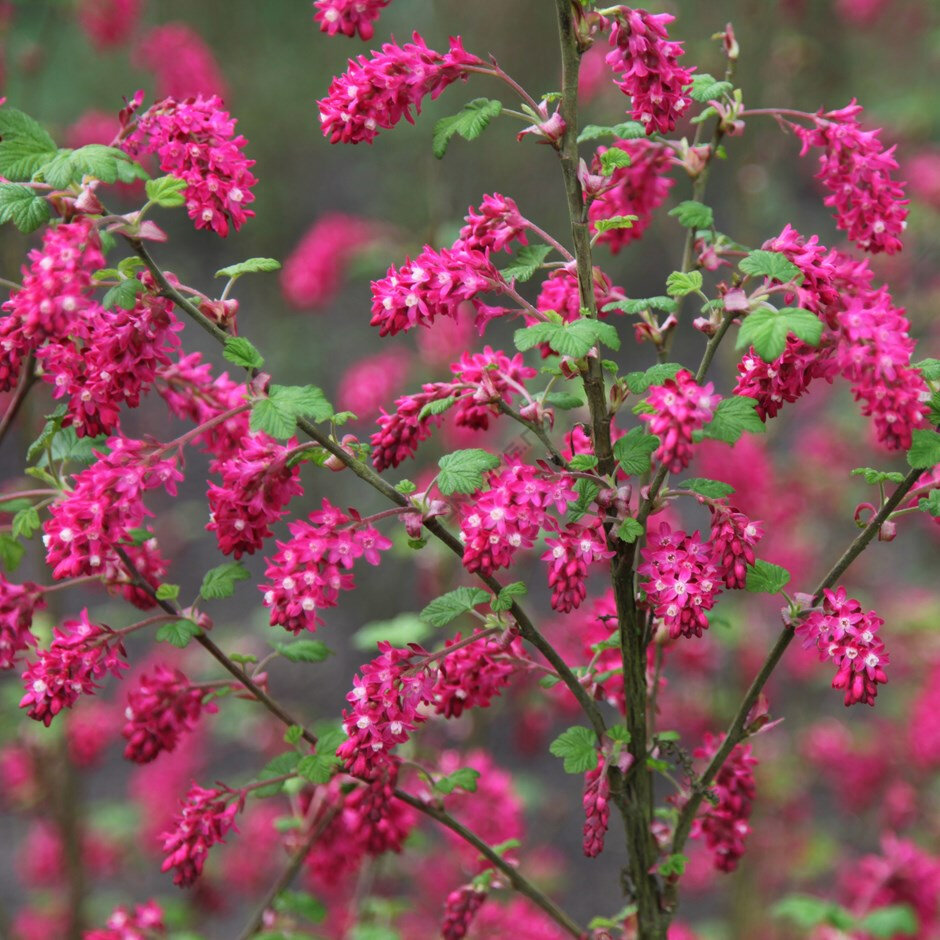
536 429
459 645
26 494
519 883
551 240
71 583
27 380
497 72
218 419
736 730
712 346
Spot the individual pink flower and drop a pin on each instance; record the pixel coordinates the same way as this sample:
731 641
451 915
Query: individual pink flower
161 708
81 652
145 922
646 63
460 907
732 542
596 802
569 554
638 189
724 824
204 819
18 603
349 16
308 572
195 140
495 225
181 62
108 22
560 292
843 633
314 270
682 581
856 169
680 407
378 92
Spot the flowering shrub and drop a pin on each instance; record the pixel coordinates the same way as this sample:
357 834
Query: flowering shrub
596 549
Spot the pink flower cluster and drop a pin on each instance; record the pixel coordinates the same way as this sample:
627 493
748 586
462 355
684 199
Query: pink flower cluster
314 270
108 22
162 707
508 515
257 485
843 633
856 169
104 504
683 581
18 603
647 65
724 824
378 92
570 551
434 285
494 226
638 189
181 62
369 383
460 907
80 653
195 140
204 819
560 292
680 407
145 922
733 538
349 16
596 802
308 572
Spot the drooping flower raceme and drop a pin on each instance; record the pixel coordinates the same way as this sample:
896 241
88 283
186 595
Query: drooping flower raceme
18 603
195 140
680 407
143 923
494 226
181 62
108 22
596 802
460 907
732 543
349 16
570 551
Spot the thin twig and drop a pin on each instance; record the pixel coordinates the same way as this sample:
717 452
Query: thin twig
27 379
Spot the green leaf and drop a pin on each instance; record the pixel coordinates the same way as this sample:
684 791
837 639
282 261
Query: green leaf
930 503
251 266
506 597
640 382
614 222
25 523
22 206
874 477
807 911
167 191
11 552
733 417
629 531
613 158
399 631
587 491
124 295
437 407
707 88
451 605
629 130
178 633
277 414
52 427
766 330
578 747
242 352
692 214
712 489
304 651
25 145
673 866
890 921
633 451
285 763
97 161
679 283
575 339
619 733
765 578
220 581
469 123
330 736
925 449
565 401
526 262
582 462
462 470
929 369
465 778
301 904
293 734
666 304
772 264
167 592
318 768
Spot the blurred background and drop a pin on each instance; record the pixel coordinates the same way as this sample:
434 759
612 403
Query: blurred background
831 783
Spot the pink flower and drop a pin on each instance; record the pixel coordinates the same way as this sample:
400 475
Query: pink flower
638 189
682 581
732 542
308 572
315 269
80 653
108 23
569 554
841 632
472 676
204 819
856 169
648 70
370 382
181 62
494 226
143 923
560 292
18 603
257 486
378 92
460 907
349 16
195 140
724 824
681 407
596 802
